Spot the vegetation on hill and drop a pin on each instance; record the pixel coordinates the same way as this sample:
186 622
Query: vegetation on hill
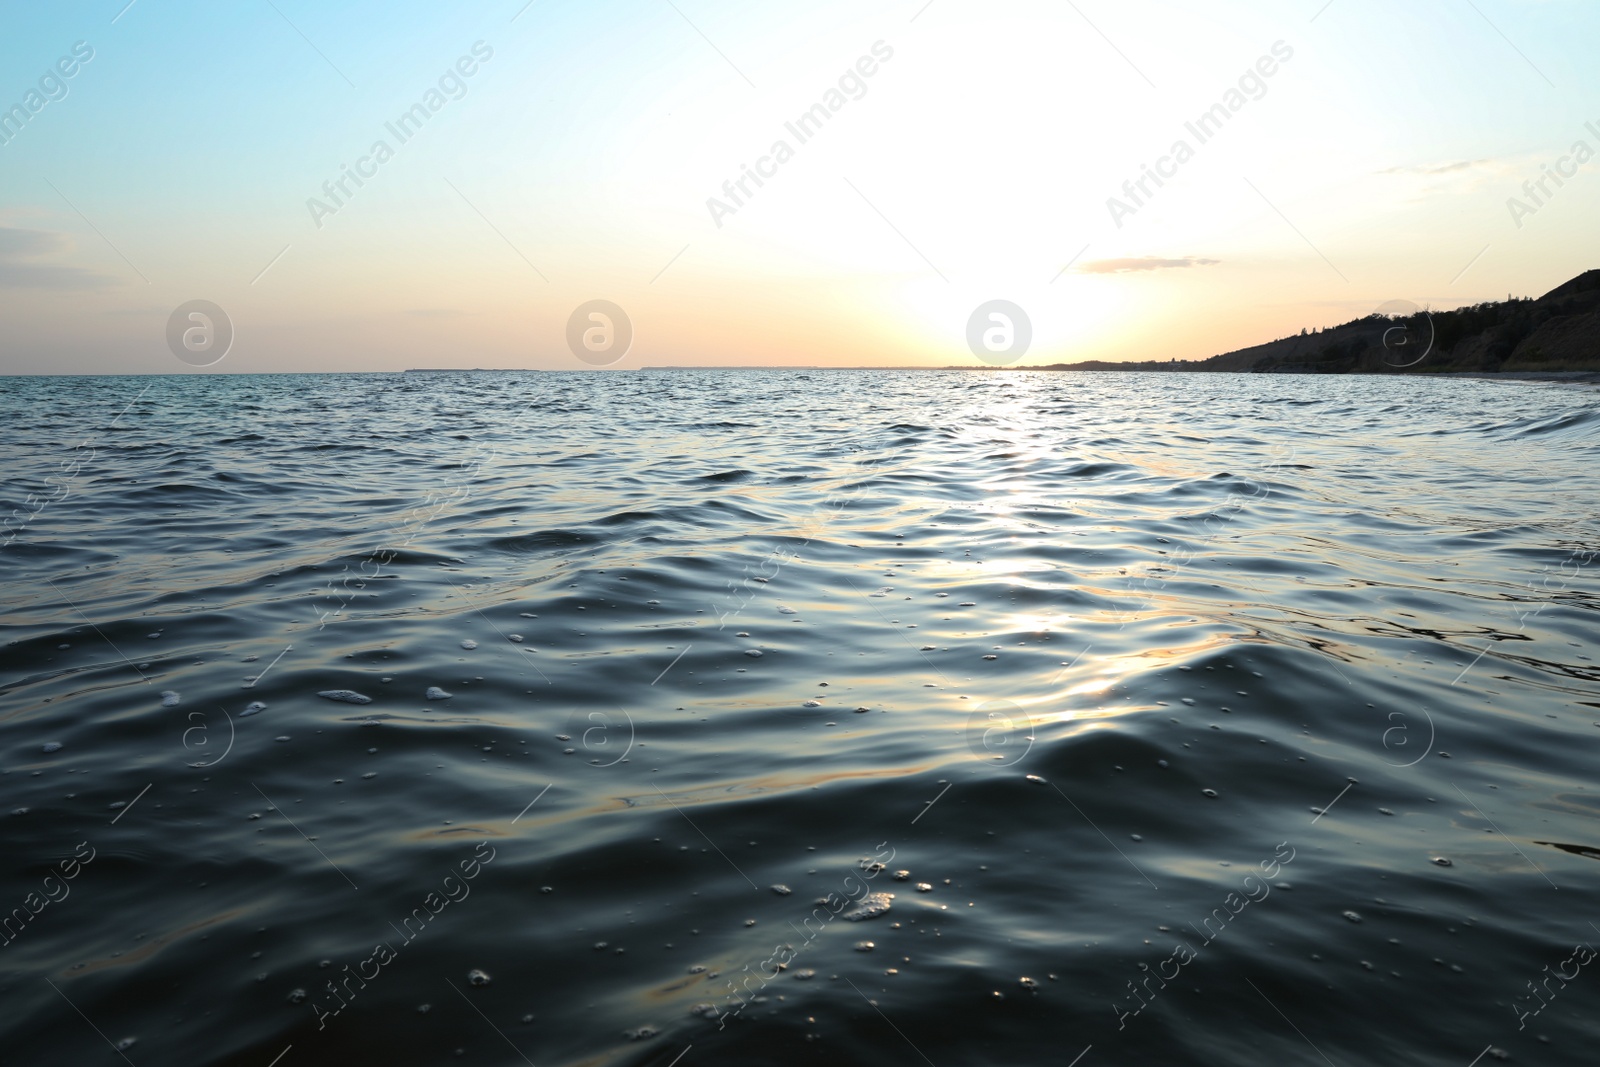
1557 331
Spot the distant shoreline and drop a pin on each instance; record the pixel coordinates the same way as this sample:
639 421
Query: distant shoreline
1582 377
1578 377
1569 377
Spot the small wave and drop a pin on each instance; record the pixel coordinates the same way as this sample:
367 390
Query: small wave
543 541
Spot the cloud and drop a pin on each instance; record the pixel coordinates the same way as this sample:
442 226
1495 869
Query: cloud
1429 169
19 249
1132 266
45 276
1426 183
137 312
29 244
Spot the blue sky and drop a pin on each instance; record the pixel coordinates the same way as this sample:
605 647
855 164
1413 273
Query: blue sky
1375 165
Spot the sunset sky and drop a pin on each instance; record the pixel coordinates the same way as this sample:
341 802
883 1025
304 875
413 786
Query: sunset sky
576 162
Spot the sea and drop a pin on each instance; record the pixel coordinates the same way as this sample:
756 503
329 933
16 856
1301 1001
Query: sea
799 717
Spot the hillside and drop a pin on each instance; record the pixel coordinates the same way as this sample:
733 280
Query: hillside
1557 331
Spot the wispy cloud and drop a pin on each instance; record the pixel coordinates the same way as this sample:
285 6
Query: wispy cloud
1430 169
20 249
1136 265
1428 182
45 276
25 244
145 312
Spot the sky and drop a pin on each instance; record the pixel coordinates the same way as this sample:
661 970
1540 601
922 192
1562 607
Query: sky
960 152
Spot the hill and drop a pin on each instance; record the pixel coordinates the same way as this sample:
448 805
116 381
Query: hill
1559 331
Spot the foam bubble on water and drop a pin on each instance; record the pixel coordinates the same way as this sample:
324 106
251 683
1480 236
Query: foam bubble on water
871 907
435 693
345 696
169 698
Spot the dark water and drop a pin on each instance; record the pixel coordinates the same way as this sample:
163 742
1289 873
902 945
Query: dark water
1172 695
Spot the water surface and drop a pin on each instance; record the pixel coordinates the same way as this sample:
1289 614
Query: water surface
1182 719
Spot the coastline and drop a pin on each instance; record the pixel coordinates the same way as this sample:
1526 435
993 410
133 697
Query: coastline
1548 377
